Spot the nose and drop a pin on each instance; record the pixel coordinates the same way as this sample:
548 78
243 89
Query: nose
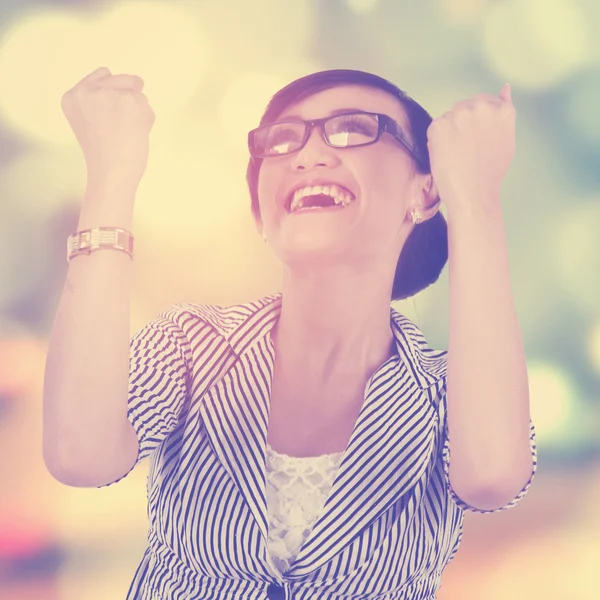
316 153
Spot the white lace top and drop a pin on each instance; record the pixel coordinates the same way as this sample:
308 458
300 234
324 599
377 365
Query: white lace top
297 488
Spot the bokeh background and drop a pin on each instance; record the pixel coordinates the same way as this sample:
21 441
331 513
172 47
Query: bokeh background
210 66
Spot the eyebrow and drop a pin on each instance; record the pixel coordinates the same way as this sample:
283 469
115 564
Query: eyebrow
337 111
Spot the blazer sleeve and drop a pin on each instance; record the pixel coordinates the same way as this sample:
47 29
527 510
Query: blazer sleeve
463 505
159 376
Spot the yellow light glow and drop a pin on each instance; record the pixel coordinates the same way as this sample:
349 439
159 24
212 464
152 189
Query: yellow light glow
72 579
576 253
260 32
42 55
557 563
159 41
47 52
192 190
535 43
96 515
361 7
244 103
552 398
462 11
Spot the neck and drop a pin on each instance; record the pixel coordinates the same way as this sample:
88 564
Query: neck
334 320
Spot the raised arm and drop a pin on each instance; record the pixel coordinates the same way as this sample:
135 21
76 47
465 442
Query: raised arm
87 438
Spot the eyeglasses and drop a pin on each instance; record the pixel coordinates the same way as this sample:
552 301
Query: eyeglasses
347 130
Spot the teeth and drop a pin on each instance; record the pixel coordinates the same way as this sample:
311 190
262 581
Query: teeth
335 192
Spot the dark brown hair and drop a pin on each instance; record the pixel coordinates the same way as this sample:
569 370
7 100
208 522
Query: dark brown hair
425 251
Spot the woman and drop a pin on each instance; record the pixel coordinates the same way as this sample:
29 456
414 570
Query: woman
301 443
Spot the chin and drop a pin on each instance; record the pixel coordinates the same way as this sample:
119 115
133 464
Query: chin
303 248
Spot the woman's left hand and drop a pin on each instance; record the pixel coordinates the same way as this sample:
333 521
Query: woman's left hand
471 147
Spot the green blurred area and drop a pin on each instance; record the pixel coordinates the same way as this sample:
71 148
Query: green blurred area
59 542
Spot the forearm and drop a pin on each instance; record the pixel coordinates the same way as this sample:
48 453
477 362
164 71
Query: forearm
86 436
487 387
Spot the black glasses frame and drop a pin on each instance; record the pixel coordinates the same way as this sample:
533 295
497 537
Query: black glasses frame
385 124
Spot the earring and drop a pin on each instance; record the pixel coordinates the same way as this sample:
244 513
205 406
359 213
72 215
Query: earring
264 237
418 217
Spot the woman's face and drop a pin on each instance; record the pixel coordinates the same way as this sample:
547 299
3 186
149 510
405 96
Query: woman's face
379 177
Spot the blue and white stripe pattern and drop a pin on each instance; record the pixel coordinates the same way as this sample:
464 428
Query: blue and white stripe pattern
199 402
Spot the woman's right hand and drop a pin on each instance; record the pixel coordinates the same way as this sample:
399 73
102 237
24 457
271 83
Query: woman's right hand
111 119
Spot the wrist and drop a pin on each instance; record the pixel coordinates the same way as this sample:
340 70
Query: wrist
108 202
112 181
110 213
474 207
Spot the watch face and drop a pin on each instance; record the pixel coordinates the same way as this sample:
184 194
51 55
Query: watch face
73 242
85 240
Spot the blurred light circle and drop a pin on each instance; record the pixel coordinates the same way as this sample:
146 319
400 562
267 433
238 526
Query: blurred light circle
361 7
535 43
552 398
100 515
462 11
191 191
259 32
556 564
22 360
159 41
42 55
47 52
244 103
576 253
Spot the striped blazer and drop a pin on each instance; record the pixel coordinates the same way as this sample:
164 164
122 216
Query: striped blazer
199 393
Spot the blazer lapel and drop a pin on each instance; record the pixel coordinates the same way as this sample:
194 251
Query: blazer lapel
235 410
388 453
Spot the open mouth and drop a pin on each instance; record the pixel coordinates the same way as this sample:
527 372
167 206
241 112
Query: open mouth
319 197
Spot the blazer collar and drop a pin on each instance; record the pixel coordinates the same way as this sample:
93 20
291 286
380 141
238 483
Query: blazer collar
426 366
397 423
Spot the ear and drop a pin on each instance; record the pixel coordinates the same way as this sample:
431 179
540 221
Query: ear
259 226
429 193
425 195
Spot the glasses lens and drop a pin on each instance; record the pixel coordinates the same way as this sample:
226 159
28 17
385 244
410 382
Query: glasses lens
354 129
278 138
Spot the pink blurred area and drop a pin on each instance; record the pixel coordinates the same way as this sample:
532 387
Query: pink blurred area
196 242
539 549
30 545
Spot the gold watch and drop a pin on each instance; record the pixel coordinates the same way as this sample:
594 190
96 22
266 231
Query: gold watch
90 240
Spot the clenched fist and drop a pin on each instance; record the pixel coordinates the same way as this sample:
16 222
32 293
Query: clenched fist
111 119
